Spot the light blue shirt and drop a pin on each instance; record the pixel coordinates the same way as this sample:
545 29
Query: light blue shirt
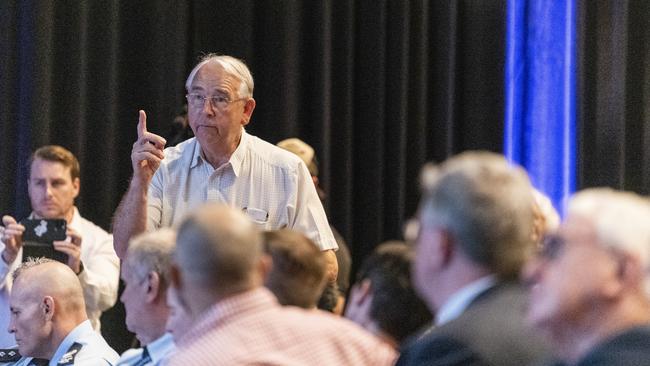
86 347
460 300
159 350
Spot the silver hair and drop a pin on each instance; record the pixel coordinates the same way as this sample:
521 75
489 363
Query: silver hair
621 221
487 206
151 252
233 66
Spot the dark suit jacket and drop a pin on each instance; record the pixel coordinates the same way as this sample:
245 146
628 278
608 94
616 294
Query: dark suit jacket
491 331
630 348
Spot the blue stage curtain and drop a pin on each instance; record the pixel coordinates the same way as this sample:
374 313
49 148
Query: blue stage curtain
540 94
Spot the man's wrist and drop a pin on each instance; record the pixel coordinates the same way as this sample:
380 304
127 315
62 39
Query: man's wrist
81 268
7 258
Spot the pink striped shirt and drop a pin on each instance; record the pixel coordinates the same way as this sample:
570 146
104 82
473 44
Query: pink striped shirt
251 328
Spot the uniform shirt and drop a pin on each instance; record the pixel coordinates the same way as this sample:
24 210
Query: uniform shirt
251 328
159 352
271 185
84 347
99 279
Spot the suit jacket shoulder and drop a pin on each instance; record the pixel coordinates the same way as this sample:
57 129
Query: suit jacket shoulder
492 331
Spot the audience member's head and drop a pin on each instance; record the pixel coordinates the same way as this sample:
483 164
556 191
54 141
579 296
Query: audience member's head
475 219
218 254
299 269
46 304
53 182
145 272
592 279
383 300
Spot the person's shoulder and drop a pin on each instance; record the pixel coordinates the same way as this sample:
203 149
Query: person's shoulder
90 230
439 349
273 155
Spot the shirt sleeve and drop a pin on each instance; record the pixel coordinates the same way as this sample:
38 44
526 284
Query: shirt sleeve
308 215
100 276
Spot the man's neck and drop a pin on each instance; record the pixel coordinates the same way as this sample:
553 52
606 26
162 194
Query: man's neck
68 216
218 155
61 329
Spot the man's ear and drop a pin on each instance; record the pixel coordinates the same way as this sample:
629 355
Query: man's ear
264 266
437 245
630 275
47 308
76 184
248 111
153 287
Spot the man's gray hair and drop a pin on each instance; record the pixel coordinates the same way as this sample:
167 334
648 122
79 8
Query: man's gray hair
233 66
151 252
487 206
621 221
31 262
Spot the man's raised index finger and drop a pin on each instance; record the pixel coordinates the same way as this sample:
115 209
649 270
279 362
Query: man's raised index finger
142 124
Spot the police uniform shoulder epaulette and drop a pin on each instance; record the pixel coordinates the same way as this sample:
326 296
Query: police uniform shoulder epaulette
68 357
9 355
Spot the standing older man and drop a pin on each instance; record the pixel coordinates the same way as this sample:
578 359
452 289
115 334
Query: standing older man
48 317
218 272
53 186
145 272
590 285
476 224
222 163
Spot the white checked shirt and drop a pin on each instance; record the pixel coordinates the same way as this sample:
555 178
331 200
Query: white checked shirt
271 185
251 328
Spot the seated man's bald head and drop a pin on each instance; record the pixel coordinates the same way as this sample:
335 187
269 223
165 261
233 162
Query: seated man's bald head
46 304
45 277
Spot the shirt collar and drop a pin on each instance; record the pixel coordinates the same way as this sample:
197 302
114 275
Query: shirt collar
77 333
236 159
461 299
159 348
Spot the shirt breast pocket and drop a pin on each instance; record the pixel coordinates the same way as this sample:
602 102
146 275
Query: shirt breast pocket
259 217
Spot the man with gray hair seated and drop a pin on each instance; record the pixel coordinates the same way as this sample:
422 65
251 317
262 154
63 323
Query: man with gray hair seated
218 273
145 272
475 234
48 317
590 284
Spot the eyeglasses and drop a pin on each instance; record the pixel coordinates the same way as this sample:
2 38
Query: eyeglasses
219 102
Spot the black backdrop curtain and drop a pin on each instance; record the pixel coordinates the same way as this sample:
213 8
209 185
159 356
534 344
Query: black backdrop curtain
377 87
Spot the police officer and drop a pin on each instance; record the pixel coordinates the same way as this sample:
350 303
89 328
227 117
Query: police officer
48 317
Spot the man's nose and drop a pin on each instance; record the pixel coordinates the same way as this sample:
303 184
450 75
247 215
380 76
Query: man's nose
208 108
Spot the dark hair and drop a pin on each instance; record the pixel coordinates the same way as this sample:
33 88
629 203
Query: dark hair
58 154
395 306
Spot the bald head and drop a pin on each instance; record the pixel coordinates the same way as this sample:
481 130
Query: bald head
44 277
218 249
46 305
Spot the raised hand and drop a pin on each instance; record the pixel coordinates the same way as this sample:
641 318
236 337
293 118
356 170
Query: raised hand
11 235
147 152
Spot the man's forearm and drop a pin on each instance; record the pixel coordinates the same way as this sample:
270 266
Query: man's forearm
130 217
332 266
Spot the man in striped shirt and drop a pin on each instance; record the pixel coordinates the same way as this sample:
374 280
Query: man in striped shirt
218 271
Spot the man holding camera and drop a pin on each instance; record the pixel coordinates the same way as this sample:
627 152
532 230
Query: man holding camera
53 185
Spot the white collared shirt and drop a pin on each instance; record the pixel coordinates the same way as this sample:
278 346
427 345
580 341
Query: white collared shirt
99 279
460 300
271 185
159 350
